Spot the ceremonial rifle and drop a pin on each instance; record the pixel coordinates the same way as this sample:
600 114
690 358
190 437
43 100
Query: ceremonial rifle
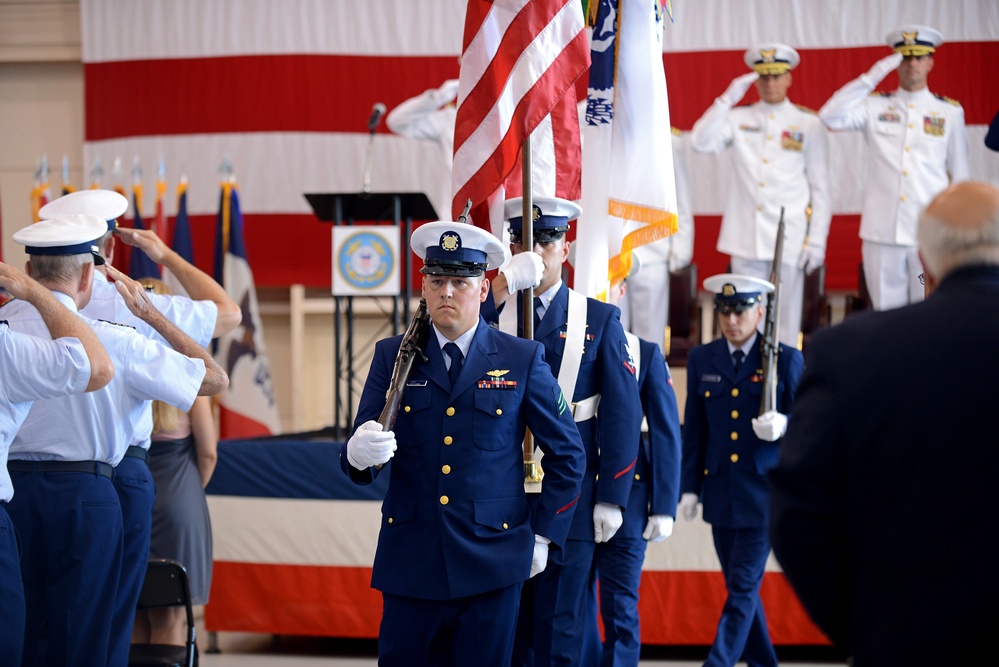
770 347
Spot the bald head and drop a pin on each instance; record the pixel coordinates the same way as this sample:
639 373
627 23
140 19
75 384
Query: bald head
959 228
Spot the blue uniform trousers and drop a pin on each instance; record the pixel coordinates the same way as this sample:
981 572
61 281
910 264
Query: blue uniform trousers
742 630
11 592
619 569
136 493
475 631
550 630
70 529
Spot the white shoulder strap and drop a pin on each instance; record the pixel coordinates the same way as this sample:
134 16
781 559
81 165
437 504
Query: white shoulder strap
575 336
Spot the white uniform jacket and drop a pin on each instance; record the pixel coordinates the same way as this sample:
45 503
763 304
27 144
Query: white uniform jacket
917 146
780 157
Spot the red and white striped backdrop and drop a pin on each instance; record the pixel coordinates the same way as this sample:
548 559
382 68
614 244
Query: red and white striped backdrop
285 87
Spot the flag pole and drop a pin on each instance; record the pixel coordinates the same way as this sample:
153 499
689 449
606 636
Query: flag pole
532 471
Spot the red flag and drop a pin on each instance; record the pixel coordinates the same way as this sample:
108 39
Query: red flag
520 62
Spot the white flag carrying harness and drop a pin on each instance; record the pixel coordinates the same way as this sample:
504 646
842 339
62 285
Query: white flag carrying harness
572 355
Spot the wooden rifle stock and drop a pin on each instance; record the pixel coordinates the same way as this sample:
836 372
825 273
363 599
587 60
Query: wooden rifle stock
770 347
412 345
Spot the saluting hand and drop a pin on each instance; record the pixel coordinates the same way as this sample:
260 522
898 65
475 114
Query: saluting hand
132 292
145 240
17 283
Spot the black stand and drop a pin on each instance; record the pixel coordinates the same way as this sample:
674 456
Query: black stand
400 208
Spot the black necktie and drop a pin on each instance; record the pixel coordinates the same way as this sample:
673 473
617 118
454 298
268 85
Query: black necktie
737 358
537 313
453 351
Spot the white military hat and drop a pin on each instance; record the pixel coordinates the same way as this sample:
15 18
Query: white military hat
914 40
107 205
771 58
64 235
456 249
551 216
736 292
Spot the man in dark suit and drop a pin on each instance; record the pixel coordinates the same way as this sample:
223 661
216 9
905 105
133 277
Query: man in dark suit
457 538
727 452
587 351
884 493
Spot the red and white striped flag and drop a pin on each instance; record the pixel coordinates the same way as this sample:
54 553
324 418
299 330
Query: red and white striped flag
519 65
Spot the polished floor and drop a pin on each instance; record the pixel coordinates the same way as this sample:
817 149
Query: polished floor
254 650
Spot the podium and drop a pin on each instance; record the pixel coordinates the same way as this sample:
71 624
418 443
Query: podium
344 208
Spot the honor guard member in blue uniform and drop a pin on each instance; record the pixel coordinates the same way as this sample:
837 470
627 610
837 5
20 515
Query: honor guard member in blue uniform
651 506
34 368
917 145
209 312
587 350
727 452
457 538
61 460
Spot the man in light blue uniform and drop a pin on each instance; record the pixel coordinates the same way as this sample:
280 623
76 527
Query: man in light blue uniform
62 459
651 506
727 453
208 313
34 368
457 537
582 335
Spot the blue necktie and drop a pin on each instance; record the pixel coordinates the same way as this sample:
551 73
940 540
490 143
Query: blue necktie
453 351
537 313
737 358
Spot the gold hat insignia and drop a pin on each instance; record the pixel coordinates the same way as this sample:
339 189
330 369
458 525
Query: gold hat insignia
728 289
909 38
768 55
449 242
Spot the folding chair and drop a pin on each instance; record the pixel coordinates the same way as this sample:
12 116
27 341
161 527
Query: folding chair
684 329
166 585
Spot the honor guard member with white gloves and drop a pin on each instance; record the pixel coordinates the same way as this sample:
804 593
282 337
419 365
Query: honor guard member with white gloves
727 452
645 304
917 145
651 506
209 312
587 351
780 159
457 538
33 368
62 458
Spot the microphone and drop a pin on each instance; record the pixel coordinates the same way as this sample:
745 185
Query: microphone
377 111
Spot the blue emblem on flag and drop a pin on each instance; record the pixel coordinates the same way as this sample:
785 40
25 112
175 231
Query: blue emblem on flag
365 260
600 89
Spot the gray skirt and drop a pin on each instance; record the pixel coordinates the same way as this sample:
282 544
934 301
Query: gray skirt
182 530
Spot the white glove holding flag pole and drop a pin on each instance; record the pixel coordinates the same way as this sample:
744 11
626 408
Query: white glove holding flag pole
522 271
540 559
737 89
811 258
770 425
688 506
370 446
881 69
659 527
607 519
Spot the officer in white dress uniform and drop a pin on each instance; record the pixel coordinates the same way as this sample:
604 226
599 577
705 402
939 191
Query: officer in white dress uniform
62 459
780 160
212 314
34 368
917 146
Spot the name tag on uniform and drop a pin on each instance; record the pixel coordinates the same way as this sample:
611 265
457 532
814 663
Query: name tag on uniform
792 140
749 128
933 126
710 378
889 117
416 383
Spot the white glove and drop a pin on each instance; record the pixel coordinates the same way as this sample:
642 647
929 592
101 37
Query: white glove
883 68
688 506
607 519
370 446
522 271
659 527
811 258
737 89
446 93
540 559
770 425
